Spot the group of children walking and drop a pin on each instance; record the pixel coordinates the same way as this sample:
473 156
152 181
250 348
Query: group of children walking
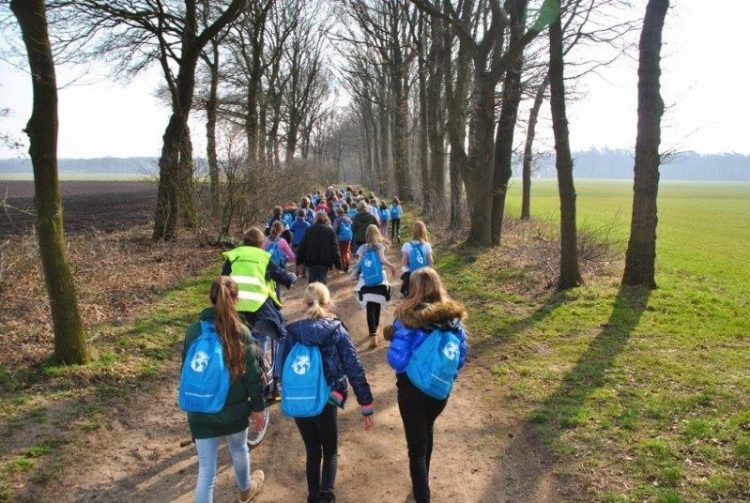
317 359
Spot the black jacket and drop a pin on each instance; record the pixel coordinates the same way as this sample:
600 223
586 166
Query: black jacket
319 247
360 223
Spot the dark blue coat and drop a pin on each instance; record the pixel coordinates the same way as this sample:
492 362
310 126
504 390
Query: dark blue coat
340 358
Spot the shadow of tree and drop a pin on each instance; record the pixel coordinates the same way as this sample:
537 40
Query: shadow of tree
527 480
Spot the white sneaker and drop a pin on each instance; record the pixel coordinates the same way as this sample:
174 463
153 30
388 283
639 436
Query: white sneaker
256 485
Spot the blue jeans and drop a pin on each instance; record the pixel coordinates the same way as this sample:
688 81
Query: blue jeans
208 449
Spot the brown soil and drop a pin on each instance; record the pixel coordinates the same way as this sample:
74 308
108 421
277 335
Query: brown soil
481 454
101 205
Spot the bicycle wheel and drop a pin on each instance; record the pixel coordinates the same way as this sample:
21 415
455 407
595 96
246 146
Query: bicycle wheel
254 439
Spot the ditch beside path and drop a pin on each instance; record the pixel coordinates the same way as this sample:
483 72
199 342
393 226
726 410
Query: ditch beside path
481 454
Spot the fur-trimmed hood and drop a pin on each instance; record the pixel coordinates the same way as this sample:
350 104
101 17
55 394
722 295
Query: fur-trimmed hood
447 313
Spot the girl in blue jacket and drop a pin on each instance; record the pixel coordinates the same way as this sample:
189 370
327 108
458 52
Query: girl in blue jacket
340 361
427 307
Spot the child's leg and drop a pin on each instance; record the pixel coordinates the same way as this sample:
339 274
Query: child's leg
373 316
328 430
240 458
207 450
313 446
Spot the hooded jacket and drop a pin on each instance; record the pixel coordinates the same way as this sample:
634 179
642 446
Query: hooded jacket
360 223
319 247
412 328
340 358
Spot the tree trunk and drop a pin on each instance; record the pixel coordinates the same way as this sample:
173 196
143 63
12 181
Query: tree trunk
507 124
528 151
186 188
422 140
641 252
400 138
570 275
212 106
70 343
480 169
436 119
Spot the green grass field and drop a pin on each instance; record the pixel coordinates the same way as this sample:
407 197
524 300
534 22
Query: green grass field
647 393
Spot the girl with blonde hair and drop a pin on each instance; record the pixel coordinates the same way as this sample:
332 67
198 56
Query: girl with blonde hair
341 365
427 312
243 400
372 297
415 254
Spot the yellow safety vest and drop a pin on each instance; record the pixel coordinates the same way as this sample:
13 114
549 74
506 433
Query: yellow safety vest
249 266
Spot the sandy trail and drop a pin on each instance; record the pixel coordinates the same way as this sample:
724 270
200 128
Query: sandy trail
480 453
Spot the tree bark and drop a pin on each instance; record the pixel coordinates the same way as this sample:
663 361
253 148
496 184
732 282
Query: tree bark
570 275
641 253
423 144
70 343
528 151
436 117
507 123
212 106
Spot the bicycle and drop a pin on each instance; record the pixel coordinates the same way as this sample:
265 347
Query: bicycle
267 351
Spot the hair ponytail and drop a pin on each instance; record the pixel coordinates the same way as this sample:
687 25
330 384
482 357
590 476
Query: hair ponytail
224 293
318 299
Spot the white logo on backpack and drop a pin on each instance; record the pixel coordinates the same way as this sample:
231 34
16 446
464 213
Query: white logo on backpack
450 350
368 263
199 362
301 365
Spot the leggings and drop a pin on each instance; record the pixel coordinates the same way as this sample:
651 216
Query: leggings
396 228
320 435
373 316
418 413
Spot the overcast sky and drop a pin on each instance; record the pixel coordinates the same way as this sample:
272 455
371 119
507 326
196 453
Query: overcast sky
704 84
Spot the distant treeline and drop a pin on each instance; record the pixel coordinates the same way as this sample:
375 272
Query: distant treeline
610 164
618 164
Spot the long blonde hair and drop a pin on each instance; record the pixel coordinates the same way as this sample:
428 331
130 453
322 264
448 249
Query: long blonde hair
277 228
223 295
373 236
317 298
425 287
419 232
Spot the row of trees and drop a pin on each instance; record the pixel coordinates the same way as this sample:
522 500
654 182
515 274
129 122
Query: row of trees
436 90
437 87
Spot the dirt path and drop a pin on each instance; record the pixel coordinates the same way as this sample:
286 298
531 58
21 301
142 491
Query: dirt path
480 455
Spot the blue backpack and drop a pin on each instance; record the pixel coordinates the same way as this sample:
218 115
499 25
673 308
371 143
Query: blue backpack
372 269
305 391
345 231
384 215
204 380
288 219
277 256
395 212
417 256
434 364
352 212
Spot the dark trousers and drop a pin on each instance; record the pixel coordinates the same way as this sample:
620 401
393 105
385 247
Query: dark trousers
317 273
320 434
396 229
373 316
418 412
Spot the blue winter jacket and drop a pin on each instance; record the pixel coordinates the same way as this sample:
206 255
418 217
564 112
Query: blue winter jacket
298 229
414 326
340 358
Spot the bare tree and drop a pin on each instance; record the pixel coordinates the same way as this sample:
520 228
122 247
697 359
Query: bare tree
140 33
641 252
570 275
70 343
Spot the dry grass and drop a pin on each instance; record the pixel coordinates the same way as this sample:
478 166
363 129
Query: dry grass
116 274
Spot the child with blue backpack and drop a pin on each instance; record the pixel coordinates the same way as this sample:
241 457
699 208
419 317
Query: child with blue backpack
218 355
383 216
277 246
315 414
299 227
373 289
415 254
342 226
428 348
395 215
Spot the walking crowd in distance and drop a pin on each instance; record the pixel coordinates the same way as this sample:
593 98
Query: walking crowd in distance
241 356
